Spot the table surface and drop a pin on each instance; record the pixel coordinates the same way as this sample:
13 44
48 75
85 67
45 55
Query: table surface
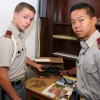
37 84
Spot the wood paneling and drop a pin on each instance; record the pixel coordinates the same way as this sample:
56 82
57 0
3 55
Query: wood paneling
57 21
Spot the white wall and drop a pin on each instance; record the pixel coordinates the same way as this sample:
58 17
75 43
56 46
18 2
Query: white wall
6 14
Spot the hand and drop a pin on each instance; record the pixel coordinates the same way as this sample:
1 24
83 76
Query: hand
17 98
64 72
40 67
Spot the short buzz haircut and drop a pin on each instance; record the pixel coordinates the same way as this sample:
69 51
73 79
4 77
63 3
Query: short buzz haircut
82 5
22 5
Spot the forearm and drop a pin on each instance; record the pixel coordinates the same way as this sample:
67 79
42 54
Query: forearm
72 71
31 63
6 84
68 72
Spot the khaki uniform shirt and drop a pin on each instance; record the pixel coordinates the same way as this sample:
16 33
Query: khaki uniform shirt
17 69
88 68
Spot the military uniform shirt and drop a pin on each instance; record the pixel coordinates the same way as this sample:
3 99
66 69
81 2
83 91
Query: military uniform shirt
88 68
17 69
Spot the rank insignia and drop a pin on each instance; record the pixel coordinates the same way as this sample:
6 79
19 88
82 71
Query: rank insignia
8 34
91 44
98 42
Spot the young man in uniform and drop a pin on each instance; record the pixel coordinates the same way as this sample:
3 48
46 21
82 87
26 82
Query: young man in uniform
83 19
12 76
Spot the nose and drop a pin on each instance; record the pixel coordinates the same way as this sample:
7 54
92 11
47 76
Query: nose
28 21
77 24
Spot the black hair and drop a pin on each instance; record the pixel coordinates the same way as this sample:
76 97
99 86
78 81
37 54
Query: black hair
82 5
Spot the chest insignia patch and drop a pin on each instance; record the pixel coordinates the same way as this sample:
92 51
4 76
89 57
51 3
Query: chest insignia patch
98 42
8 34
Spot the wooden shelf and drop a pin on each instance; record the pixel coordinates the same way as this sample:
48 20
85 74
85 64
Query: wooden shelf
98 24
65 37
65 55
62 24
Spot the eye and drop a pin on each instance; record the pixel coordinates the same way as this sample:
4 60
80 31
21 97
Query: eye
81 20
72 22
31 19
25 17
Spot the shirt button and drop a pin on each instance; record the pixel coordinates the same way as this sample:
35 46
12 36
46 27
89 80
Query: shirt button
77 61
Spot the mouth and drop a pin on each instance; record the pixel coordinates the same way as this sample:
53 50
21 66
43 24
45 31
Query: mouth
78 32
25 27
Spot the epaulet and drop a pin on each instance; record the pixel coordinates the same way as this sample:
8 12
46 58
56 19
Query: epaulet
8 34
98 42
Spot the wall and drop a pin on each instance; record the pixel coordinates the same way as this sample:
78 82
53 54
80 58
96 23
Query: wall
6 14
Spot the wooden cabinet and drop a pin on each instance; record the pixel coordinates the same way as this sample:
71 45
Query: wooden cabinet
57 37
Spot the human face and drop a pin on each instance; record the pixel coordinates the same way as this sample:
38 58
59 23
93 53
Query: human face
23 19
82 24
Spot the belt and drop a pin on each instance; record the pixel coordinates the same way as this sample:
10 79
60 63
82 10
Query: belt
18 82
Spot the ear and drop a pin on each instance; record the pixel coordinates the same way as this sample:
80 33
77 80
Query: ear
94 20
15 14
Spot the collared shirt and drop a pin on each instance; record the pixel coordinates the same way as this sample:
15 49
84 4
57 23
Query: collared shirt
88 68
17 69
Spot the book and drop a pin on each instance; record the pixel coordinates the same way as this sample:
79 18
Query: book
61 89
49 59
42 60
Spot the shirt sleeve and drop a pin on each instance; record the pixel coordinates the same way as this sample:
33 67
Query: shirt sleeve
6 51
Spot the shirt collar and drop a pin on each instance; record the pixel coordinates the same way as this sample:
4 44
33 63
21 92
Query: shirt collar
93 38
15 31
89 43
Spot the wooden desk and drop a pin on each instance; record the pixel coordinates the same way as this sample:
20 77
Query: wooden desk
36 85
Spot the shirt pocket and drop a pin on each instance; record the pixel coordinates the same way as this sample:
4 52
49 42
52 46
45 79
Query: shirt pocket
90 64
91 68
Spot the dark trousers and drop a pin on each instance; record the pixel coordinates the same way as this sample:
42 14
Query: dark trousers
75 95
20 89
